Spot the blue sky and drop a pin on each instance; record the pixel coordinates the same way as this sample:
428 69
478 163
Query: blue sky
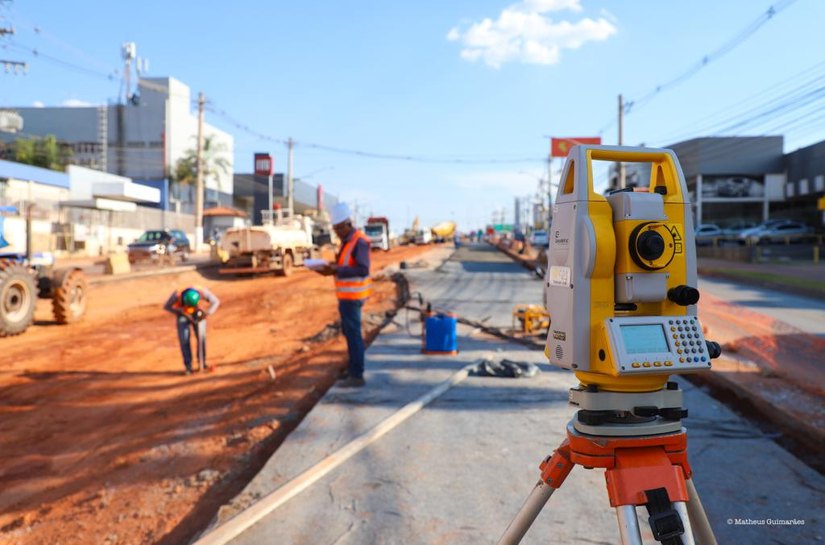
480 80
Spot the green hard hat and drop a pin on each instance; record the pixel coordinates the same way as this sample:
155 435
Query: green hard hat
190 297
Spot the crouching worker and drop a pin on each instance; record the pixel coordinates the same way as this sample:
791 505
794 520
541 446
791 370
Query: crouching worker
190 311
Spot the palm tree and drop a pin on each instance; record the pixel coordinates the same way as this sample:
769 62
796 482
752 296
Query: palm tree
186 169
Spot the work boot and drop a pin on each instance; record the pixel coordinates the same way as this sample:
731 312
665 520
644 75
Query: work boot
187 372
352 382
343 375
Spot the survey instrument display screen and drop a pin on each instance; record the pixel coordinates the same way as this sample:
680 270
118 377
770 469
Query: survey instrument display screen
644 339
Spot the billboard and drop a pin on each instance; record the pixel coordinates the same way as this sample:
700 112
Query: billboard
560 147
732 187
264 164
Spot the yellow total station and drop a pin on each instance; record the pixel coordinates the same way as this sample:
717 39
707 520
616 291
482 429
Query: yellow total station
621 278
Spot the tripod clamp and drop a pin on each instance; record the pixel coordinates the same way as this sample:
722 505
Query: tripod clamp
664 520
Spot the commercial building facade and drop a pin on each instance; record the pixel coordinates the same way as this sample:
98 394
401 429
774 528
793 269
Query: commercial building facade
142 140
734 181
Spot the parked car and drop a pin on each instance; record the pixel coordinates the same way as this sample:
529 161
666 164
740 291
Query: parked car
159 245
747 234
706 233
540 238
733 229
781 231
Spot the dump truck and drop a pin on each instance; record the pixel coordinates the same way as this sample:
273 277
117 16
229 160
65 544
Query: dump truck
378 229
279 245
26 275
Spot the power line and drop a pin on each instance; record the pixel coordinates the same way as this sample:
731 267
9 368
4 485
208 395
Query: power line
366 154
66 64
813 76
721 51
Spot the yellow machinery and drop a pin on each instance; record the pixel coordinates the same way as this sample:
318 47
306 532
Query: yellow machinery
532 318
444 230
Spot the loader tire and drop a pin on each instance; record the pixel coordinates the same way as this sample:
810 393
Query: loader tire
69 299
18 295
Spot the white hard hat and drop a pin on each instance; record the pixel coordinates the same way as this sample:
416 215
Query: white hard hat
340 213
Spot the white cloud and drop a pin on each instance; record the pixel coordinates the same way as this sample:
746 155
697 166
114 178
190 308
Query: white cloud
524 33
75 103
38 104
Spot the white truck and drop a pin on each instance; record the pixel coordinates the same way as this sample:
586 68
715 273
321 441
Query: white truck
423 236
378 229
279 245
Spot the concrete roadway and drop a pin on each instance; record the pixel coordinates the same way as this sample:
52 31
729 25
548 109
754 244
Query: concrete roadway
457 471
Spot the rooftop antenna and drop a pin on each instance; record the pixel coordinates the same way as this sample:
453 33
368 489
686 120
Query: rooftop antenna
129 53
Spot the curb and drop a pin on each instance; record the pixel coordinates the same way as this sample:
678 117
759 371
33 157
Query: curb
796 290
809 437
107 279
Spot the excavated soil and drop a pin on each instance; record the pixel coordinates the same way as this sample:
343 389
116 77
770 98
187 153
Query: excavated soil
104 440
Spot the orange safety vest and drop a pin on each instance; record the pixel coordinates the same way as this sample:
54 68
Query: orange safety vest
357 287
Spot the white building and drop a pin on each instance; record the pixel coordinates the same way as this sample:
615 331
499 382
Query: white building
142 141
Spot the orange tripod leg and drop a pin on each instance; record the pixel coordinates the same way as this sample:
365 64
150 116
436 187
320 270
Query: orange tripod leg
554 470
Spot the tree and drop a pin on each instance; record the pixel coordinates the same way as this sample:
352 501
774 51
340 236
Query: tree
186 169
43 152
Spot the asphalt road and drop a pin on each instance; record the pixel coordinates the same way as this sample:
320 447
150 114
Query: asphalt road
457 471
804 313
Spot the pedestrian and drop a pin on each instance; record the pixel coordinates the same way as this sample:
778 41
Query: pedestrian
352 287
190 315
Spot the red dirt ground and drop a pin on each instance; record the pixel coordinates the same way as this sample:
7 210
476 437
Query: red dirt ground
105 441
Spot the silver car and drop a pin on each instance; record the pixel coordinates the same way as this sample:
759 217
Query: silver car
777 232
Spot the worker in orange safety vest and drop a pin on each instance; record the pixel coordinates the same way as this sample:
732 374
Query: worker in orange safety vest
352 287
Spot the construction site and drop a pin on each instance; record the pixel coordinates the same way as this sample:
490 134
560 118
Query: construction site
355 286
105 441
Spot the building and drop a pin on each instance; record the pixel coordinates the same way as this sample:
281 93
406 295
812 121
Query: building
251 195
733 180
805 184
81 211
142 140
742 180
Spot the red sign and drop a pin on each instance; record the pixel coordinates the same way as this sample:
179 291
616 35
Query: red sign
560 147
264 164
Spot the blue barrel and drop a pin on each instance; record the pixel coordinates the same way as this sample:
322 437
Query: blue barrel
440 334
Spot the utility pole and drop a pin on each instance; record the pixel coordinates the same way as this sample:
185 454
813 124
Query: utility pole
12 66
621 180
199 177
290 182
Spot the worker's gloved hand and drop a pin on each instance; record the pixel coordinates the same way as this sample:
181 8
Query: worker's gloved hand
198 315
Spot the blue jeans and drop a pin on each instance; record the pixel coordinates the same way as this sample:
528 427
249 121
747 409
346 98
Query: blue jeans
184 335
351 325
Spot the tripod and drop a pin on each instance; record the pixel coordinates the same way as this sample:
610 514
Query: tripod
641 470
